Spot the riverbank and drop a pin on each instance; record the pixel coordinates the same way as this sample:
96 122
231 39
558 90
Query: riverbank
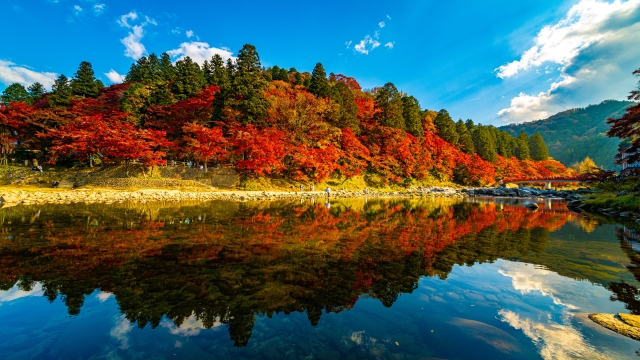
11 195
613 198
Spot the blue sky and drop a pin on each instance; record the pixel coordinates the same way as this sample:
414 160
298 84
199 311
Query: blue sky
493 61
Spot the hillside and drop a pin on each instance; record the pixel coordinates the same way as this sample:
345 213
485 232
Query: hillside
575 134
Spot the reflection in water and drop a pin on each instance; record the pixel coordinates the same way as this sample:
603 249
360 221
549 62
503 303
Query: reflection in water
190 267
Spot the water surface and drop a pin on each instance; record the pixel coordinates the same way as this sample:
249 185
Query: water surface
353 279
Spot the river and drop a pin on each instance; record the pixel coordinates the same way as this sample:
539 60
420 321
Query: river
349 279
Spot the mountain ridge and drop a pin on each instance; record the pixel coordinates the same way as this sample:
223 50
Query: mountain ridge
573 134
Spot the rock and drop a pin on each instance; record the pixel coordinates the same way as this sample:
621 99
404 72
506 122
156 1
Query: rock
622 193
531 206
574 203
625 324
9 199
625 214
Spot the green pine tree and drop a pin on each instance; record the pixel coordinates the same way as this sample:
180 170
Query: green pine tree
465 140
207 72
412 116
446 127
522 152
167 70
60 92
231 69
343 96
246 95
319 85
389 100
219 75
15 92
84 81
470 125
189 79
36 91
537 147
483 142
299 79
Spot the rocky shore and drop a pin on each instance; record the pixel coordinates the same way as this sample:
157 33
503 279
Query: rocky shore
68 196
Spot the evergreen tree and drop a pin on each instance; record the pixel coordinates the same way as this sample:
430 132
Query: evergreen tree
167 70
36 91
465 140
389 100
299 79
470 125
207 72
60 92
246 95
522 152
219 74
231 69
189 79
84 82
537 147
446 127
15 92
319 85
412 116
342 95
483 143
507 144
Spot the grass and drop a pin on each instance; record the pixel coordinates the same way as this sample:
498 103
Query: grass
607 196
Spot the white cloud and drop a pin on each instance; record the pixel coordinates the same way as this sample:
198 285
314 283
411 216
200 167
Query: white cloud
14 293
388 17
98 9
199 52
133 47
114 77
555 341
595 49
103 296
11 73
77 10
390 44
367 44
381 24
191 326
348 43
189 33
121 331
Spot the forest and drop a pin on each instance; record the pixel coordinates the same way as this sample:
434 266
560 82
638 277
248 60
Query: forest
263 121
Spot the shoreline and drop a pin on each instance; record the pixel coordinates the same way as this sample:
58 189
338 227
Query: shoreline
12 196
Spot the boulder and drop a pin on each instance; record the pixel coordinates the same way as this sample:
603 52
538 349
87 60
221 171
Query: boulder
531 206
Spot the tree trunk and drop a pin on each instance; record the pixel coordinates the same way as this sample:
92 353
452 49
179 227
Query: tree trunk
205 166
90 161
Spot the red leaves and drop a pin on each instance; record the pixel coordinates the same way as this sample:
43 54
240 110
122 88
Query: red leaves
93 136
261 150
204 143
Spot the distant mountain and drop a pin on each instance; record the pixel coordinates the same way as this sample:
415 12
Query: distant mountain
575 134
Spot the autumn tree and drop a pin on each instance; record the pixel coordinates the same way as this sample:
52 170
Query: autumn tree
203 143
446 127
537 147
587 166
412 116
389 100
522 151
61 92
465 140
627 127
84 82
15 92
319 85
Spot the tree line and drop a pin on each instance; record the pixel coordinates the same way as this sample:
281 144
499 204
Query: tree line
300 125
